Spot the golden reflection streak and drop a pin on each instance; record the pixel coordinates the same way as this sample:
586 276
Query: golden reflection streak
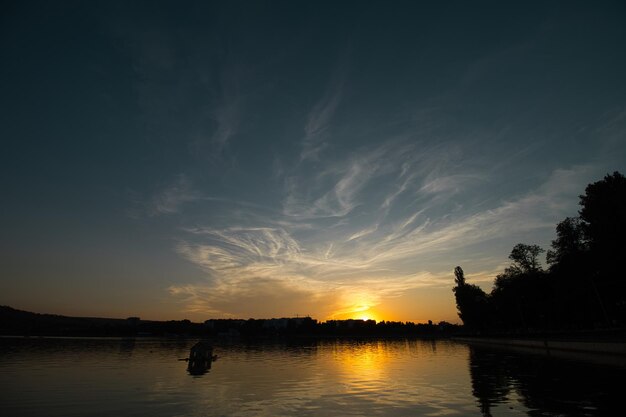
366 362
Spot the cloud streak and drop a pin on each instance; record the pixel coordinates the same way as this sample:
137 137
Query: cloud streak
168 199
316 129
367 256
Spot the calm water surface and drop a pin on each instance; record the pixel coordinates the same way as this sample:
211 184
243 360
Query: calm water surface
87 377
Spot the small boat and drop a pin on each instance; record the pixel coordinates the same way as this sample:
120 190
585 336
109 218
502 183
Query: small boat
200 358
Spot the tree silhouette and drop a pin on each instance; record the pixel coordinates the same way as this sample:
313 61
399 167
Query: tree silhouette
576 301
525 258
585 285
459 276
603 215
521 294
471 301
570 242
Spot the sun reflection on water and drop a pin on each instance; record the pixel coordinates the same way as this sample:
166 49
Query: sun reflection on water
362 361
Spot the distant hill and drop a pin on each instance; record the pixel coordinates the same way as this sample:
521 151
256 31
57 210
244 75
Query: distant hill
25 323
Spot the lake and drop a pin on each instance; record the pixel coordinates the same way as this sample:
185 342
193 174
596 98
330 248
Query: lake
144 377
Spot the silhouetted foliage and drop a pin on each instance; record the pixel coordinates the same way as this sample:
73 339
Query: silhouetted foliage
584 287
525 258
603 214
569 244
520 294
575 303
471 301
459 276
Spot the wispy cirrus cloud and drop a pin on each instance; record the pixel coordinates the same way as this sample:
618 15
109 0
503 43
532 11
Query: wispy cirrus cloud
448 184
399 188
316 129
228 109
261 264
539 209
363 232
171 198
363 266
251 298
338 260
334 191
168 199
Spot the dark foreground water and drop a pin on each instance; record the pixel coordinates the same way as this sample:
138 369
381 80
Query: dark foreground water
83 377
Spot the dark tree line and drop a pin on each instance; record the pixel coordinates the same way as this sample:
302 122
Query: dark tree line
17 322
584 286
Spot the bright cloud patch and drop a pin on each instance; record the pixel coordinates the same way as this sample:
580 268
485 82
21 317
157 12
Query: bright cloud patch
347 246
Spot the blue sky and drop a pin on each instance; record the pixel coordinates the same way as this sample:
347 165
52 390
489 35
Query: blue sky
262 159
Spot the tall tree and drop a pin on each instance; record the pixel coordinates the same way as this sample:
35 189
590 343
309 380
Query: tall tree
520 294
569 243
471 301
577 302
603 213
525 258
459 276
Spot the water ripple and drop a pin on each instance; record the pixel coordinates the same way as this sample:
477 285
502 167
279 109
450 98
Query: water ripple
75 377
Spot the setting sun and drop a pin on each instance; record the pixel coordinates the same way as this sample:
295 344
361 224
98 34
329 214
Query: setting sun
360 313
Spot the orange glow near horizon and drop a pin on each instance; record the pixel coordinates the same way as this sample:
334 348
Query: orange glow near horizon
358 314
358 306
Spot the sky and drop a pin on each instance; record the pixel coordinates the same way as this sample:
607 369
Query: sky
261 159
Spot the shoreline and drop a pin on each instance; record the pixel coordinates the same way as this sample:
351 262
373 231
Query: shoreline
602 353
611 348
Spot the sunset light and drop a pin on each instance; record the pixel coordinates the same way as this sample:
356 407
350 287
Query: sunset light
358 311
218 161
312 208
369 314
